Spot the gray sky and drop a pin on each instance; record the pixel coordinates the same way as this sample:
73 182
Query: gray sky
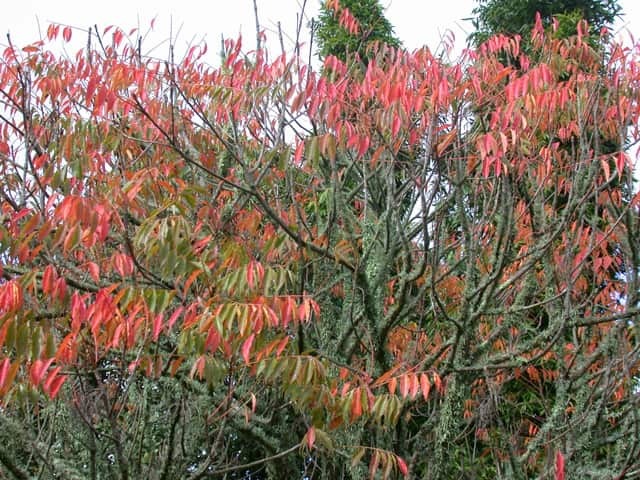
417 22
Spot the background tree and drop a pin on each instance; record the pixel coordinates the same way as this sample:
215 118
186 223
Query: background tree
517 17
350 28
168 228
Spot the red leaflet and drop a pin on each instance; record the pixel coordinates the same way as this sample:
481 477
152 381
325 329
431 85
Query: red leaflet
213 340
157 326
118 35
123 264
11 298
245 351
52 31
38 369
356 404
4 369
559 466
48 279
282 345
174 317
94 271
414 386
402 466
311 437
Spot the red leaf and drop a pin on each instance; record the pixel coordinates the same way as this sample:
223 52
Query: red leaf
60 289
55 386
123 264
48 279
363 146
198 366
37 370
356 404
174 317
66 34
283 343
94 271
157 326
621 161
250 277
246 347
559 466
52 31
395 126
117 37
213 340
311 437
50 378
297 157
67 351
11 297
402 466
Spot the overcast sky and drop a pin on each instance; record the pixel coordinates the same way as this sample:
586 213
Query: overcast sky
417 22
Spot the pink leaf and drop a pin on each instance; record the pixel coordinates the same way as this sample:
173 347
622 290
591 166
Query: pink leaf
311 437
559 466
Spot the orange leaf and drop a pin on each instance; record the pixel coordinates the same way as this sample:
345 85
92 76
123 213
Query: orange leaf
438 383
404 385
382 379
48 279
37 370
356 404
414 386
392 385
9 375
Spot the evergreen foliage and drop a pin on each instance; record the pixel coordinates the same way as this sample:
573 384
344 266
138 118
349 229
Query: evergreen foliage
518 16
371 28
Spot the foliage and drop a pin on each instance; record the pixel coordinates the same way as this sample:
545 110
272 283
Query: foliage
517 17
232 270
347 28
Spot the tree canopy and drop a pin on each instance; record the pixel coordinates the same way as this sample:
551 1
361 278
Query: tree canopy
516 17
259 271
350 28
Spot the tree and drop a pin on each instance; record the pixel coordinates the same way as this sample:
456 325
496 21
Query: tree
517 17
208 271
353 29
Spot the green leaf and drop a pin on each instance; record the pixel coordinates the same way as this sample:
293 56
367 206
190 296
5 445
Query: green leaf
356 458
